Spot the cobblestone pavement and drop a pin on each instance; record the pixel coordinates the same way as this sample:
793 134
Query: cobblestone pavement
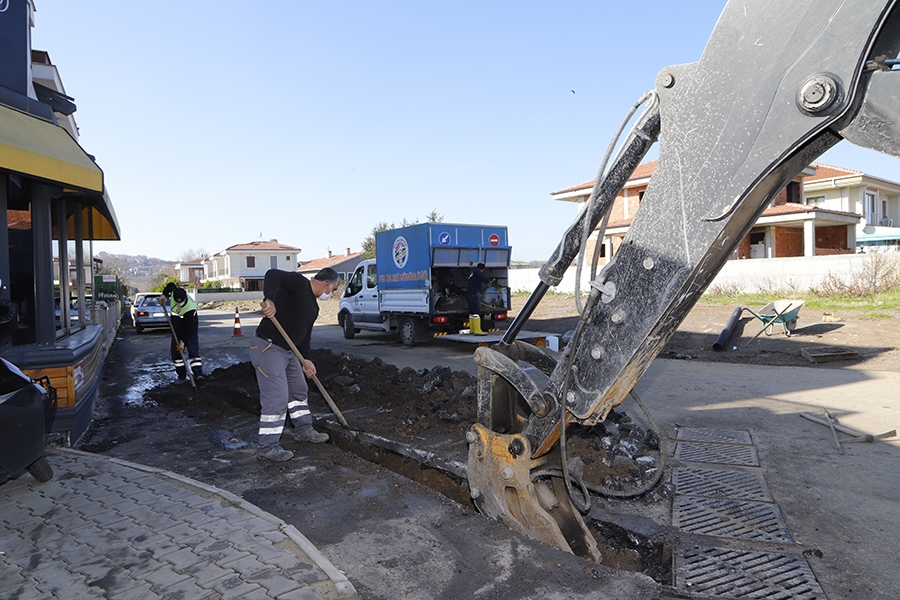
107 528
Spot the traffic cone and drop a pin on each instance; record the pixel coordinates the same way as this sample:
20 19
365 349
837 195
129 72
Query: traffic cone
237 324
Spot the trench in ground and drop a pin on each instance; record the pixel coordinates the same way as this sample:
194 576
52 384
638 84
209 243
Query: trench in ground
620 547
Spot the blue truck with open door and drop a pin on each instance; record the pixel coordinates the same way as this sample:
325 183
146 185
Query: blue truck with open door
416 283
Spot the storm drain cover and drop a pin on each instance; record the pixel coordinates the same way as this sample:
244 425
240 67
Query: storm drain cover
724 517
703 434
725 454
715 483
727 573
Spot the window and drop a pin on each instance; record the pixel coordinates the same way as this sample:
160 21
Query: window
354 286
793 192
273 262
251 262
815 200
869 209
371 277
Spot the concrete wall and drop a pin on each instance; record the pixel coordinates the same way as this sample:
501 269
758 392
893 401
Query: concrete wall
224 296
762 275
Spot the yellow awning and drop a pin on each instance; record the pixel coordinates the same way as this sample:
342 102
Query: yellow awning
41 149
102 223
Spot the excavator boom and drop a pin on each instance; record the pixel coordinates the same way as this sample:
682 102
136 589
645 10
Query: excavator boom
778 84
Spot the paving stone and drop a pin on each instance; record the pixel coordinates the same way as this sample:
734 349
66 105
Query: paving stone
187 589
206 572
304 593
11 578
14 490
163 577
150 498
185 557
14 515
141 592
15 545
233 586
275 582
139 512
189 514
247 566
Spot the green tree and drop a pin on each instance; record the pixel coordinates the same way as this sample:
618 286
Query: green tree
161 280
434 217
368 244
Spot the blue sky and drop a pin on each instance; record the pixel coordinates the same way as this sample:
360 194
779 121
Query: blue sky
218 123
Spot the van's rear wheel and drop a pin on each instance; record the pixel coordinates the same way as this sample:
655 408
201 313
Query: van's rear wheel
347 325
407 330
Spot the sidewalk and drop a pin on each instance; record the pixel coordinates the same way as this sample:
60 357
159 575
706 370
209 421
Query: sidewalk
107 528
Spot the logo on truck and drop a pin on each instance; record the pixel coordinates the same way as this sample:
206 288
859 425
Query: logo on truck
400 252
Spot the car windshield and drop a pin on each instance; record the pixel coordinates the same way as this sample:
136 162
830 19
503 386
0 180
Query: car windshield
150 301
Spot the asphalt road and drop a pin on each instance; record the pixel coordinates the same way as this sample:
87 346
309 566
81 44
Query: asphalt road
395 538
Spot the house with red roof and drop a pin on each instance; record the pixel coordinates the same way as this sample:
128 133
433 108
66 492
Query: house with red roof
244 265
344 263
825 210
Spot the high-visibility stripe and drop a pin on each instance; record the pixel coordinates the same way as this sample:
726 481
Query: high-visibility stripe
271 418
271 430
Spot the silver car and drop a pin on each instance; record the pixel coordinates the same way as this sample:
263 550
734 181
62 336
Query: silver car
148 313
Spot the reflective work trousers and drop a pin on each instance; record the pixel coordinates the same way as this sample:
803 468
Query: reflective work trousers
282 389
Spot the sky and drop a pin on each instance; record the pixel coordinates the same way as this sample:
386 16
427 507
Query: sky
221 123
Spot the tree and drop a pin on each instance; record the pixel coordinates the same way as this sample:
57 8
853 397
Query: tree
434 217
160 281
192 255
368 244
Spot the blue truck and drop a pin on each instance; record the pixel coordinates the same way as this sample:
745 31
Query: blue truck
416 283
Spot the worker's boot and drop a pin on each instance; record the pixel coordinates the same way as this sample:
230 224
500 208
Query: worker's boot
475 325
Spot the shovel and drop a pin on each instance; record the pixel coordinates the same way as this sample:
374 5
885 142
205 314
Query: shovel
178 344
315 379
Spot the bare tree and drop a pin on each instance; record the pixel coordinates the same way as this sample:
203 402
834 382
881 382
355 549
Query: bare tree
192 255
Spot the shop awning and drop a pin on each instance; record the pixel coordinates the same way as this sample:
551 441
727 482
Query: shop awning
98 223
40 149
886 236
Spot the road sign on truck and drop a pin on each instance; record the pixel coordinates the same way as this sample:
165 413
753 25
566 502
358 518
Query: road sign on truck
416 283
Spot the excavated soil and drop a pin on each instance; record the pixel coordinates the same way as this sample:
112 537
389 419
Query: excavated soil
407 405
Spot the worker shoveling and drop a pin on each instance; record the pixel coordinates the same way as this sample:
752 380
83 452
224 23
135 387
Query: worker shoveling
179 344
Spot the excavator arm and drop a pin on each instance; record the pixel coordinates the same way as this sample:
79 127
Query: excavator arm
778 84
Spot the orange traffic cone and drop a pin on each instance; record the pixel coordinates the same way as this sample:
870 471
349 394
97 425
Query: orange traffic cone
237 324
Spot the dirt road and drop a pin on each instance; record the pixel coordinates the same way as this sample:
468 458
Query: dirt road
875 339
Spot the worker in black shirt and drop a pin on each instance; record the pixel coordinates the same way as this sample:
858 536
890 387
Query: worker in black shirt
282 381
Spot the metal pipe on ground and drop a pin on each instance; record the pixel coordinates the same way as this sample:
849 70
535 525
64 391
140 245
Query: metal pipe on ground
722 340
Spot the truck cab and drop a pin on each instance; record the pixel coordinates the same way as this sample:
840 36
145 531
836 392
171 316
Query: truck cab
359 304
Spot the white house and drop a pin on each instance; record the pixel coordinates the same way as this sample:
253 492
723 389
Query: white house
245 265
876 199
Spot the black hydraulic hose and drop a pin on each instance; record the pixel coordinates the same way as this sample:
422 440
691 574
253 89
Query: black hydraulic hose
533 300
722 340
633 151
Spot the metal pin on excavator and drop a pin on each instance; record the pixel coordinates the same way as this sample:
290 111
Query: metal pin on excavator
778 84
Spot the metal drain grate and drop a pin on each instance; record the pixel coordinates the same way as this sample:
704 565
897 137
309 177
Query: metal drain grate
724 454
719 572
715 483
703 434
730 518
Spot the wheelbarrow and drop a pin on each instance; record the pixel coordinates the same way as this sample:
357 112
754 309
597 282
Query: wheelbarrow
783 312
